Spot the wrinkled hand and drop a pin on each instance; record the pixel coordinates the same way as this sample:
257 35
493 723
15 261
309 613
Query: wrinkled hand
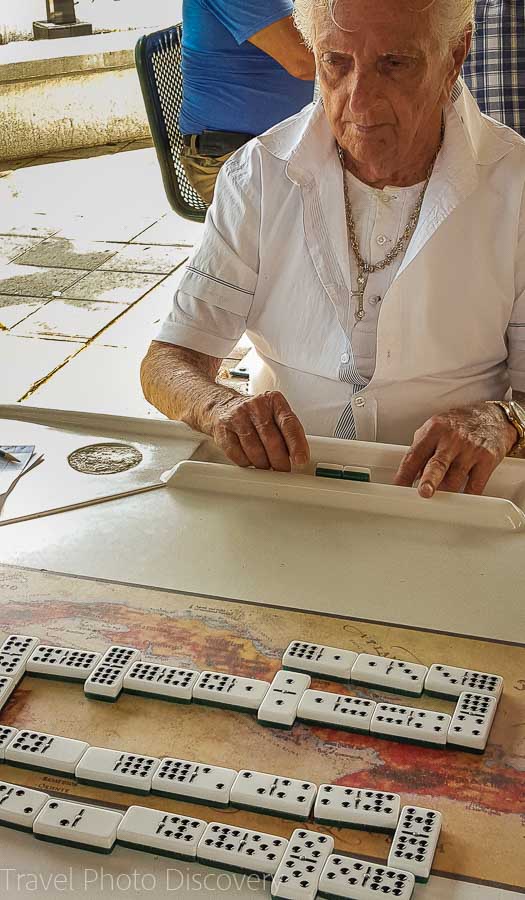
259 431
460 448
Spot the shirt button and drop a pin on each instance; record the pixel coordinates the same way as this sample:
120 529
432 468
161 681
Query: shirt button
345 358
381 239
360 401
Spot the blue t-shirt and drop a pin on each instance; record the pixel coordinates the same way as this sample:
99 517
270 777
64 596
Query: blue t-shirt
229 84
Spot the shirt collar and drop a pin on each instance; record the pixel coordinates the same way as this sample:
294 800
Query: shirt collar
306 143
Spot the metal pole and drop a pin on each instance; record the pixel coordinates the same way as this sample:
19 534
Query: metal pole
61 12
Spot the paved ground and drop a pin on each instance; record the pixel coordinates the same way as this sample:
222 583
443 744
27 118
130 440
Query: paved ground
90 254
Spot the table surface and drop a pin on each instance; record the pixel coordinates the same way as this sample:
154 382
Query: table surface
198 632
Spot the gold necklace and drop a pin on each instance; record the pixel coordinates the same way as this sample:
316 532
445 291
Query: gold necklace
364 269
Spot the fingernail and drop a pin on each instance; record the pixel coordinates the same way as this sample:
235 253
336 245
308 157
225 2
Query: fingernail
426 490
300 459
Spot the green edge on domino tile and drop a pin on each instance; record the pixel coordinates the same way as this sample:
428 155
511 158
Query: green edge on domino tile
356 476
170 795
337 727
451 698
387 690
338 824
327 473
316 675
404 740
53 840
276 814
124 789
16 827
242 709
153 696
68 678
275 725
46 771
225 867
155 850
91 696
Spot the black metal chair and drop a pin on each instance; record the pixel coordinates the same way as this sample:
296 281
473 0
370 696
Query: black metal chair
158 58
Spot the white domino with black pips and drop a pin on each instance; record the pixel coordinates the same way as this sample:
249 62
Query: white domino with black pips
155 831
357 807
415 841
44 752
319 661
194 781
289 798
7 686
221 689
299 872
472 721
148 679
107 678
14 653
11 666
77 825
117 770
7 734
336 710
406 723
449 682
348 878
240 850
279 707
19 806
63 663
392 675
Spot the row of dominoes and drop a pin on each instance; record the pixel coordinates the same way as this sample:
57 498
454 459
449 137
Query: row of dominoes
278 704
120 668
291 698
199 782
398 676
301 867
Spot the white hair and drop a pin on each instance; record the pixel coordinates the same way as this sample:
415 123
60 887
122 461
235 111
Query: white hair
452 18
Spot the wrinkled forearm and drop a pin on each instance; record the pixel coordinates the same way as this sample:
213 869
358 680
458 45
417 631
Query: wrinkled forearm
180 383
519 397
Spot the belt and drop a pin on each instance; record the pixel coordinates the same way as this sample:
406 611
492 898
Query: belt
216 143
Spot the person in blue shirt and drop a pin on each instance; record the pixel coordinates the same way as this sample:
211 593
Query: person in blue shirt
245 68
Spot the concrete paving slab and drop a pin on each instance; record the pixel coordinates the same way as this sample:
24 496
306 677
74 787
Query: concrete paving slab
26 361
119 225
25 226
15 309
63 253
33 281
146 258
75 320
142 322
172 229
99 379
114 287
11 247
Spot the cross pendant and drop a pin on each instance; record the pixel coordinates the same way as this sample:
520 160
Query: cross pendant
359 297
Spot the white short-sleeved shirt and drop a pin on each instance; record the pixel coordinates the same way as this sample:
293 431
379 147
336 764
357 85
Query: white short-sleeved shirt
274 261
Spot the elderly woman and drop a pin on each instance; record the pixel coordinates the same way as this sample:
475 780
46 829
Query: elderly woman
373 248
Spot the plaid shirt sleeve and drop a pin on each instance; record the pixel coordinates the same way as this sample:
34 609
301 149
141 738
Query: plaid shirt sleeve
495 68
516 327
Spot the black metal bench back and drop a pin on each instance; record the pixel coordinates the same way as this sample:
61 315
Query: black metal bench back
158 58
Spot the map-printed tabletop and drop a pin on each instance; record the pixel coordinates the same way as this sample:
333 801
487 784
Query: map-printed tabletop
481 797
